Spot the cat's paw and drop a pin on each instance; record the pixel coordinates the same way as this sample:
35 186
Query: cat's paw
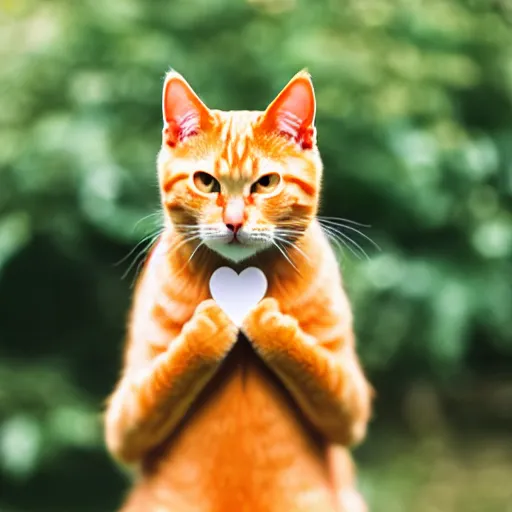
210 332
210 312
262 310
269 330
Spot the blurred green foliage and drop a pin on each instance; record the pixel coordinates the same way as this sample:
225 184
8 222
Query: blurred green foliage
414 123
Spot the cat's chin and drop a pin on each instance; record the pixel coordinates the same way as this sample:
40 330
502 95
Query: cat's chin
235 252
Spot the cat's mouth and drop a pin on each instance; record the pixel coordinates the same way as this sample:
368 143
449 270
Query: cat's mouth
236 248
235 241
240 239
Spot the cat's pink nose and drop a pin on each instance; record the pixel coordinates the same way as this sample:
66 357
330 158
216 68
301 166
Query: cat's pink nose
234 214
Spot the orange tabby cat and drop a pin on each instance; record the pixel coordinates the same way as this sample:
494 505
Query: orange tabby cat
218 419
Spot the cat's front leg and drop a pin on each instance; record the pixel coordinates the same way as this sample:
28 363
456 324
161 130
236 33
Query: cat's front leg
328 385
150 401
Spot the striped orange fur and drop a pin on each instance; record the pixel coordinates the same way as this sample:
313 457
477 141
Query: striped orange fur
218 419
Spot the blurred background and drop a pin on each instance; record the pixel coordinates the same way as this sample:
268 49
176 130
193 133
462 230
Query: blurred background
414 123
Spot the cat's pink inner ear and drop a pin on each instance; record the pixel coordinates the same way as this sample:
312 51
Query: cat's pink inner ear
184 113
292 113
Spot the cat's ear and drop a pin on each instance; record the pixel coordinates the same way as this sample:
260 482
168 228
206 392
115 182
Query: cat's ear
292 113
184 113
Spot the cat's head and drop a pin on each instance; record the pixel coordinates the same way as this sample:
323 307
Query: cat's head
240 182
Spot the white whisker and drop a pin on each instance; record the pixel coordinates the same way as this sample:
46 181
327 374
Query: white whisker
144 252
193 252
283 252
338 226
294 246
341 220
148 217
343 238
339 243
183 242
137 245
339 232
352 241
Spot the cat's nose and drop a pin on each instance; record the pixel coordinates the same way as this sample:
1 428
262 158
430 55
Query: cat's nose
234 227
234 214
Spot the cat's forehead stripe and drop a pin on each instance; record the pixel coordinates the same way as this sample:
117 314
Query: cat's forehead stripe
238 161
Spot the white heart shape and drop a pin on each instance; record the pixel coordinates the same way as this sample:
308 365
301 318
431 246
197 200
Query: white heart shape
236 293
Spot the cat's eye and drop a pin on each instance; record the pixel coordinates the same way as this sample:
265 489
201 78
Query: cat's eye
266 184
206 183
